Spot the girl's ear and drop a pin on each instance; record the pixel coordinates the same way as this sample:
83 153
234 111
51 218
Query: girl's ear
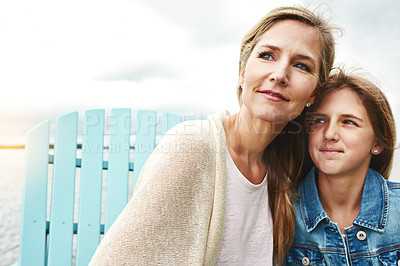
377 149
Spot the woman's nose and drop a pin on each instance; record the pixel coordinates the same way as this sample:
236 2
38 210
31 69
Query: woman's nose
279 74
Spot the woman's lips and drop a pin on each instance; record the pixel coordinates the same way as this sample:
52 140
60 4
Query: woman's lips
273 96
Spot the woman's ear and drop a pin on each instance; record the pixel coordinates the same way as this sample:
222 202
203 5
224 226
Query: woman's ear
311 100
241 81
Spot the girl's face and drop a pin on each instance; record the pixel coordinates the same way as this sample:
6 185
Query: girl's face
281 72
342 140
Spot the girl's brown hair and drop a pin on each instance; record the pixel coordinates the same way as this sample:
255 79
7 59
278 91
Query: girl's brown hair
285 155
378 110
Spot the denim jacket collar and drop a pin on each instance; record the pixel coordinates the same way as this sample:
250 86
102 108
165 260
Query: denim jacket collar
374 202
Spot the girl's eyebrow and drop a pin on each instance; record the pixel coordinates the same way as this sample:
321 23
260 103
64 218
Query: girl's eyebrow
319 115
313 116
352 116
342 115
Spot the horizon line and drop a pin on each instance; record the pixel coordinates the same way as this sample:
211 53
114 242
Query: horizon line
22 146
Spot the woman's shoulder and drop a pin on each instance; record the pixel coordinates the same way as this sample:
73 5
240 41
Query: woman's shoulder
196 133
187 151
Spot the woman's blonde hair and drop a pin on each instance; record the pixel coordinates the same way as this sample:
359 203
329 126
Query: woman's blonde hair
378 110
285 155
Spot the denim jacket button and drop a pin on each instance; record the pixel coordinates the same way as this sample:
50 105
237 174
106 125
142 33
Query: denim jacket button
361 235
305 261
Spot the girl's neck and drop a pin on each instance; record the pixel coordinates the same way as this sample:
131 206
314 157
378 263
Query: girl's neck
340 196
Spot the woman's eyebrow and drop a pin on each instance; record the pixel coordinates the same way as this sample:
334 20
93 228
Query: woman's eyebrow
272 47
306 57
299 56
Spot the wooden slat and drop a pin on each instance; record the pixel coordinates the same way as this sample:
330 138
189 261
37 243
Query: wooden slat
63 191
169 120
145 139
33 224
90 186
118 164
79 163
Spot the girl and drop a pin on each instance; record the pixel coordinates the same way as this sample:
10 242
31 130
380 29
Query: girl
348 212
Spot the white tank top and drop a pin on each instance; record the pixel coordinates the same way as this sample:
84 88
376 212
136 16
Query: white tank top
248 234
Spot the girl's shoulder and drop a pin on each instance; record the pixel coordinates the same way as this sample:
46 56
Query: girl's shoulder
394 192
393 185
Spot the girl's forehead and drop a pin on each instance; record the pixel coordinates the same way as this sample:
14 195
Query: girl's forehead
345 100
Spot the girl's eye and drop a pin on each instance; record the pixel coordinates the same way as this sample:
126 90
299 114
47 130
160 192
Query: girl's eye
319 121
302 67
265 56
350 122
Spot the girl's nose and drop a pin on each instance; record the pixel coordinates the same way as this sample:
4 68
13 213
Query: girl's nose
331 133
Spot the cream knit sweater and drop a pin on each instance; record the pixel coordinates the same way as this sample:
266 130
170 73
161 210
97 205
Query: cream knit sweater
177 211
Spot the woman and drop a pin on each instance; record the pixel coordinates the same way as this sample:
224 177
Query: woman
348 211
187 200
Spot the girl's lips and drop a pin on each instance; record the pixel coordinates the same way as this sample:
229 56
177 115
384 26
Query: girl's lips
274 96
331 151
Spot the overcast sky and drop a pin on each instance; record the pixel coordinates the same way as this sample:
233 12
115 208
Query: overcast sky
175 55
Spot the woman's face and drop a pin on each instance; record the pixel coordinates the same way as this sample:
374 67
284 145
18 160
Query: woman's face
281 72
342 138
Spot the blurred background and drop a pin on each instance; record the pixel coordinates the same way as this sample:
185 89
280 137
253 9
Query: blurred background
176 55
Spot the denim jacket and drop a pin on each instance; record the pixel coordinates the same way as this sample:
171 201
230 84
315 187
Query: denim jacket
373 239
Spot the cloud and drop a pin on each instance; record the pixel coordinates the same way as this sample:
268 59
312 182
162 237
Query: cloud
207 22
140 73
371 39
213 22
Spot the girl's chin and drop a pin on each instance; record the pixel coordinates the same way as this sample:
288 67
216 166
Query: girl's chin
328 169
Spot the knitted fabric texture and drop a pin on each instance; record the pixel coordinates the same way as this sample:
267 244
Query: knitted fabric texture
176 214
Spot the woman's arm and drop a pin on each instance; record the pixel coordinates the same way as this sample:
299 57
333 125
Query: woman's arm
167 220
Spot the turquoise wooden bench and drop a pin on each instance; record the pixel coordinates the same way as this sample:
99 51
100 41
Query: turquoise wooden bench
77 166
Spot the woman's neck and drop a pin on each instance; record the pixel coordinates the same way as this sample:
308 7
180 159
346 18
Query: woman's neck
340 196
247 139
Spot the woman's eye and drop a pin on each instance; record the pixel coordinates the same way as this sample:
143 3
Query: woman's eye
302 67
265 56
